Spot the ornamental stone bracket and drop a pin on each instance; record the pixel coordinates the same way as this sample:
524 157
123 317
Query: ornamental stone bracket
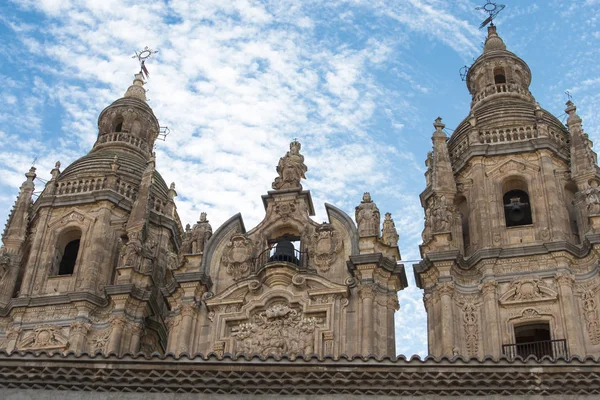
528 290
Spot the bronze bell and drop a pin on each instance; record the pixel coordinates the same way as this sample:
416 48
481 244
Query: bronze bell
284 251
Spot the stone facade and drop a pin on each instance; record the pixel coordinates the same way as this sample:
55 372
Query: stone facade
139 282
511 230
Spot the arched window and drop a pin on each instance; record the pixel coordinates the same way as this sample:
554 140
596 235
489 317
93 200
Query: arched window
570 190
463 208
517 209
67 251
499 75
118 124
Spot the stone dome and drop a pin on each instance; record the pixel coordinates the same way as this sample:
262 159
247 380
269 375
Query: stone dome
98 164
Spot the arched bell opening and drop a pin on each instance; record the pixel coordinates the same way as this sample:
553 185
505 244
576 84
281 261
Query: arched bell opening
118 124
499 75
66 253
517 208
286 249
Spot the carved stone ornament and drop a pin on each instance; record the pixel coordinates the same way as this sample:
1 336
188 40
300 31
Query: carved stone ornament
4 263
470 312
237 258
441 215
590 312
389 235
325 245
99 340
285 210
367 217
592 198
527 290
291 169
72 216
44 338
131 253
278 330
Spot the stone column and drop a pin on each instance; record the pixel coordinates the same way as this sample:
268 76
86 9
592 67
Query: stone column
117 324
492 344
446 291
78 335
172 324
429 309
188 311
480 208
137 330
571 315
558 221
392 306
367 293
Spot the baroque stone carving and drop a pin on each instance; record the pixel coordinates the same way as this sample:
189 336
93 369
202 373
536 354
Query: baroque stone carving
4 263
441 215
592 198
285 210
367 217
527 290
44 338
99 340
131 253
237 257
590 312
278 330
201 232
291 169
325 246
470 313
389 235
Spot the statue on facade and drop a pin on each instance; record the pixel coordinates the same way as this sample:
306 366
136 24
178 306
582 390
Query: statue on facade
441 215
291 169
593 198
389 235
131 252
201 232
186 241
4 263
367 217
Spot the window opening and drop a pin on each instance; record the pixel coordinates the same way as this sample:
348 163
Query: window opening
533 339
499 76
517 210
69 257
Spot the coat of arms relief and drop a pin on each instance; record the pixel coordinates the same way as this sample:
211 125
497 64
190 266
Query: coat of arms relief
279 330
237 257
325 246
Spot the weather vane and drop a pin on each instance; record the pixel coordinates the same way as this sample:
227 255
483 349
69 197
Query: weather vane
491 8
463 73
142 56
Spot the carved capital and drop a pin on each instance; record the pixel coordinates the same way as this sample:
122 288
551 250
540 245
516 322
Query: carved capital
392 302
446 289
118 321
564 279
488 288
137 329
173 321
189 309
80 327
366 291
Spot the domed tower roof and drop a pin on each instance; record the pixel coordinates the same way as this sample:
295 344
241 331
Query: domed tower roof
127 130
502 107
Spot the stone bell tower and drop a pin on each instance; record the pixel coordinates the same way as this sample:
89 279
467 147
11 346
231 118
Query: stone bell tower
510 242
83 263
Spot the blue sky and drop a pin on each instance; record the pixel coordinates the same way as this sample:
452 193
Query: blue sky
358 82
